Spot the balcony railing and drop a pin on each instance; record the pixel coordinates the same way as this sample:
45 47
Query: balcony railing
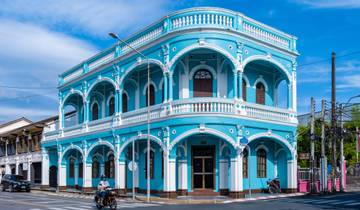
186 19
199 106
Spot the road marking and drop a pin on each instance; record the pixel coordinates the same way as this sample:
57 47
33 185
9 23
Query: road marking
343 202
352 204
325 201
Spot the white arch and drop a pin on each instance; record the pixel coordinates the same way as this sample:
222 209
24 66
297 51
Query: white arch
99 143
109 98
246 80
202 66
161 83
203 130
71 93
261 79
202 46
72 146
147 84
140 137
261 146
101 79
142 62
126 93
279 150
270 60
134 83
275 137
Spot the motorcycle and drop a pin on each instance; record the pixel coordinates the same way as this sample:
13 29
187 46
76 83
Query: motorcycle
108 200
274 186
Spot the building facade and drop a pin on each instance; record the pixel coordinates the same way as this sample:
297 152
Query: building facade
217 78
20 150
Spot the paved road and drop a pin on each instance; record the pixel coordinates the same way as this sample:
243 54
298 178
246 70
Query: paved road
36 201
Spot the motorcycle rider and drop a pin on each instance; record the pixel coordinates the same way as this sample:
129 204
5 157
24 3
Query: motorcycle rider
102 188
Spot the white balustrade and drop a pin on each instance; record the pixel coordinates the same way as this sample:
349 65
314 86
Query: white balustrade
73 75
181 107
267 113
204 105
203 19
144 39
265 35
107 58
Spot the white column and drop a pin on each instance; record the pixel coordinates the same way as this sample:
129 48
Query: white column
29 171
292 174
169 173
236 170
87 178
62 175
76 174
275 168
183 172
102 169
120 174
17 167
7 168
223 174
45 168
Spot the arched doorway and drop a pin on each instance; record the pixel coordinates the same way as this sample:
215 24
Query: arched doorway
53 176
203 83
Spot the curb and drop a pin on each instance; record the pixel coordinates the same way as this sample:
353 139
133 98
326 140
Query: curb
265 197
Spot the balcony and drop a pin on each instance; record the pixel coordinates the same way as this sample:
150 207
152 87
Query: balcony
210 18
198 106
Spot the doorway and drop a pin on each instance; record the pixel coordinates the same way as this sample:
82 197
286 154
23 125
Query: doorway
203 170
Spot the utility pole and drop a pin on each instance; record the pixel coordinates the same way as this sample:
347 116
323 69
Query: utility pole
341 148
333 118
312 146
323 182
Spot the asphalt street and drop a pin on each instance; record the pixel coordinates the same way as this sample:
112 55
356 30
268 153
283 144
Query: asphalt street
40 201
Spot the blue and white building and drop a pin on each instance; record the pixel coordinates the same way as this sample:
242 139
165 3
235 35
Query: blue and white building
216 77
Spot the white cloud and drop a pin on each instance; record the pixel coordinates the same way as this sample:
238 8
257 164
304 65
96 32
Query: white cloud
33 56
95 17
327 4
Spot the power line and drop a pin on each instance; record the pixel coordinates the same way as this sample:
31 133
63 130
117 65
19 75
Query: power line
328 59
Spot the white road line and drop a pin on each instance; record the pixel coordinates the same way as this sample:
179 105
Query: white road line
54 208
326 201
353 204
343 202
73 208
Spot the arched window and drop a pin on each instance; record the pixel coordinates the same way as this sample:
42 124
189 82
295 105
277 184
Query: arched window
152 165
95 168
124 105
95 111
71 168
261 163
260 93
244 90
110 167
152 95
111 106
203 83
245 163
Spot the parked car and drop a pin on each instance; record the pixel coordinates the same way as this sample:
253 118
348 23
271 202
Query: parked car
14 183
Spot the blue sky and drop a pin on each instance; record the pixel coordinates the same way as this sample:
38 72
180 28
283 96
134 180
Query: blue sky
40 39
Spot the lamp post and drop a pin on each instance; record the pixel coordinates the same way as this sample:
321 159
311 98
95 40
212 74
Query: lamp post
113 35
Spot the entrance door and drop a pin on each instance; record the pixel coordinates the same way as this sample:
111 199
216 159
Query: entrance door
53 176
203 162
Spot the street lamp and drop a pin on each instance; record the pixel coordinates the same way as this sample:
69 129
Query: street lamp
113 35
